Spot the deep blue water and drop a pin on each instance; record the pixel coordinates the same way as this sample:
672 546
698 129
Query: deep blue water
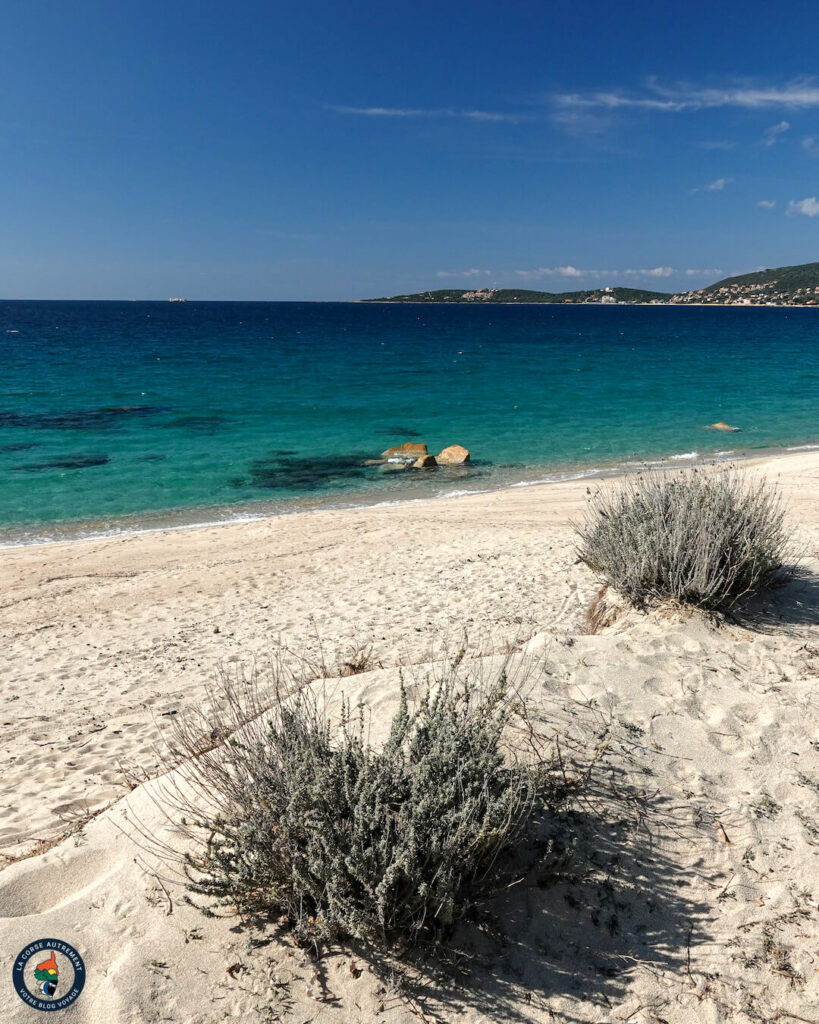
114 412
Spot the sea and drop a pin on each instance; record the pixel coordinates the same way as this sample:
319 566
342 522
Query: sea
127 416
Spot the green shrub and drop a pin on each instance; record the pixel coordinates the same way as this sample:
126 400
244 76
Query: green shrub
384 843
700 538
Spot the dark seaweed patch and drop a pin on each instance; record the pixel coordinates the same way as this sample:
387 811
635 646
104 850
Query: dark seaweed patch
201 424
399 432
278 472
23 446
79 419
66 462
152 458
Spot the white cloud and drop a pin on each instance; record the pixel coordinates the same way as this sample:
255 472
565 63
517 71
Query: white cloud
472 272
653 272
704 272
811 145
570 272
799 94
770 135
808 207
718 185
467 115
767 204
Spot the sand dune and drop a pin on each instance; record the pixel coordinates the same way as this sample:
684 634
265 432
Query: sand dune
694 883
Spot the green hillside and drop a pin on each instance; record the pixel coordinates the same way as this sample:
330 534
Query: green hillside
523 295
786 279
778 286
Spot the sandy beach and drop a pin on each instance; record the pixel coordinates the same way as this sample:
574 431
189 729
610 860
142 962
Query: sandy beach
703 909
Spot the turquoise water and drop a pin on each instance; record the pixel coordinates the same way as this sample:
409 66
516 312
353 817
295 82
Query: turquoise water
117 415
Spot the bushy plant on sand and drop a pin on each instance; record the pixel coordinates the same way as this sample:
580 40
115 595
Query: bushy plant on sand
385 842
699 538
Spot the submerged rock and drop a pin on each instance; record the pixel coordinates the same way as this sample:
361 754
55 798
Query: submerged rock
723 426
305 473
454 455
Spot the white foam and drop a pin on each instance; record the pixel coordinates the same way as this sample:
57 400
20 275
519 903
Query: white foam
130 531
556 478
685 455
463 493
803 448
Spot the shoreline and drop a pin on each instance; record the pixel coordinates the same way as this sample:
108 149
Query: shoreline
652 305
123 630
213 516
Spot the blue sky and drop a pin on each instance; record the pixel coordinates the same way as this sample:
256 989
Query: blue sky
328 150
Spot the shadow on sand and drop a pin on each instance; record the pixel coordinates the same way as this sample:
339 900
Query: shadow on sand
571 939
791 605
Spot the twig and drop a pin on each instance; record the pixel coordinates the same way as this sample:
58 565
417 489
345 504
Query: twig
688 957
724 889
169 911
724 833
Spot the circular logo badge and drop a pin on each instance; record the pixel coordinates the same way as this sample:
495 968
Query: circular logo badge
48 974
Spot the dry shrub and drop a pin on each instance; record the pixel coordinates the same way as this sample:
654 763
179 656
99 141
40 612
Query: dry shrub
601 612
387 843
359 659
701 538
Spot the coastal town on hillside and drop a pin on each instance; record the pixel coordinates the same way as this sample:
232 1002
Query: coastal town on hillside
734 295
767 294
781 286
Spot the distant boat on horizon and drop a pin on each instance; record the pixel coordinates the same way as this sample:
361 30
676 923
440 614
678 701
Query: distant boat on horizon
177 300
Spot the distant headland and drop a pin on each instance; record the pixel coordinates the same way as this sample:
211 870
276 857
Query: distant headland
779 286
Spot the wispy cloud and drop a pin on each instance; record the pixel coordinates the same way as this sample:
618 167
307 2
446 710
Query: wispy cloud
771 135
811 145
807 207
654 272
704 272
567 271
419 112
798 94
717 186
472 272
767 204
570 272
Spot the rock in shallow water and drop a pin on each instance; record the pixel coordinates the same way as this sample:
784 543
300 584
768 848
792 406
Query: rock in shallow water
454 455
723 426
410 451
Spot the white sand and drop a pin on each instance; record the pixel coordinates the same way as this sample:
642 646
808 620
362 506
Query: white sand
103 638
